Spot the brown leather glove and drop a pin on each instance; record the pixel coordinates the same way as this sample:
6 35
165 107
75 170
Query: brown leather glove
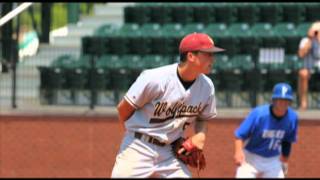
188 153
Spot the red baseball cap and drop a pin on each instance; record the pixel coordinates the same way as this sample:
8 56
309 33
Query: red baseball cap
198 42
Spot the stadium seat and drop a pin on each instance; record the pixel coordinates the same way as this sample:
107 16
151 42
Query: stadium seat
139 45
293 13
302 29
182 14
225 13
150 29
95 45
64 61
285 29
109 62
161 45
193 27
137 14
155 61
239 30
204 14
231 44
289 33
312 12
51 78
220 62
132 62
160 14
172 29
270 13
243 62
216 30
294 61
292 44
247 13
129 30
76 78
98 79
262 29
249 45
105 30
118 44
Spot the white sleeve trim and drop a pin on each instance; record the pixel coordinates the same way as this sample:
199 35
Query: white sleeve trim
128 99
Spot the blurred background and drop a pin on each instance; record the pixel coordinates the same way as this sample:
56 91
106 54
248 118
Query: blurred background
65 66
88 54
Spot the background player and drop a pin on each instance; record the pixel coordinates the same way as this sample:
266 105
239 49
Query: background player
309 51
157 106
267 132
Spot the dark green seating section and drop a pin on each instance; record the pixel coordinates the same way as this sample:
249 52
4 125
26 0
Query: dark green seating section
150 38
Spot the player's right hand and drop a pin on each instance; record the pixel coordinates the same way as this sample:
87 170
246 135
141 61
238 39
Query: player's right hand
239 158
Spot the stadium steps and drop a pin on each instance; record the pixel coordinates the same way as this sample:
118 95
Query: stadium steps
65 40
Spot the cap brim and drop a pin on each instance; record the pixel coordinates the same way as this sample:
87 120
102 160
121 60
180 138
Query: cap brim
214 49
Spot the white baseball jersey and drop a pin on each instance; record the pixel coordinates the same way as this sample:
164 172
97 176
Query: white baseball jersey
163 105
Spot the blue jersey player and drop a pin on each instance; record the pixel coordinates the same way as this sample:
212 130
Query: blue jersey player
263 140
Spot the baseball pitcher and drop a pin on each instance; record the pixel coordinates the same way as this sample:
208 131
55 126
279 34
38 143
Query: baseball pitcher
156 108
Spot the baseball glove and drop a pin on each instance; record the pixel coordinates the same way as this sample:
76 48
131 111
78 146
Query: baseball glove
190 154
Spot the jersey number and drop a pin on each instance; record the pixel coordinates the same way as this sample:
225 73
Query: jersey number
274 144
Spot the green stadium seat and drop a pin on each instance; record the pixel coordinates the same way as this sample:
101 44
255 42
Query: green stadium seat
292 44
239 30
293 13
139 45
155 61
262 29
150 29
110 62
312 12
204 14
225 13
172 29
220 61
247 13
105 30
193 27
285 29
98 80
95 45
118 44
132 62
76 78
216 30
289 33
64 61
294 62
270 13
302 29
243 62
249 45
161 14
129 30
182 14
231 44
162 45
51 78
137 14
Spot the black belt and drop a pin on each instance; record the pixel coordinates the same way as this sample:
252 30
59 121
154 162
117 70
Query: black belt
148 138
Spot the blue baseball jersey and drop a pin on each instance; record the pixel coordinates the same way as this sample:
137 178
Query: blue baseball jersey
262 133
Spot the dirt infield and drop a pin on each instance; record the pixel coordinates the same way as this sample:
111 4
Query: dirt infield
86 147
